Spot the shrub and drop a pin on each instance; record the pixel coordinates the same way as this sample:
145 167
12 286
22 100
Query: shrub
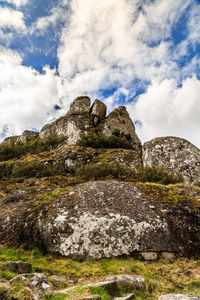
94 140
37 169
157 174
101 170
32 145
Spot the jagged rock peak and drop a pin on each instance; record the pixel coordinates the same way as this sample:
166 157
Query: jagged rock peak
176 154
81 120
98 111
119 119
81 105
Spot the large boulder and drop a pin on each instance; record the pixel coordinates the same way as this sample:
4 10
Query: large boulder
74 124
105 219
177 297
98 112
176 154
120 120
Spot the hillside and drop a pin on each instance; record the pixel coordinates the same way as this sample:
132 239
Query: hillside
84 200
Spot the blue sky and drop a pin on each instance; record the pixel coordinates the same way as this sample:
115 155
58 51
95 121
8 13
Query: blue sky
142 54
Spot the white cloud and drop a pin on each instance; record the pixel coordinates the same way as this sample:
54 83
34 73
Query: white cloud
17 3
166 109
11 18
27 98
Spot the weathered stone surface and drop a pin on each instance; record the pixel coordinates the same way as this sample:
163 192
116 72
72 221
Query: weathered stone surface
109 286
119 119
178 297
28 134
11 139
127 297
170 256
19 267
98 111
149 255
81 105
57 280
39 285
105 219
136 282
175 154
74 124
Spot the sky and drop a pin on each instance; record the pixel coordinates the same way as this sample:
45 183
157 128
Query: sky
144 54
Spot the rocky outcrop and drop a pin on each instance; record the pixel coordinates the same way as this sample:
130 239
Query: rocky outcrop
28 134
105 219
81 120
176 154
98 112
74 124
119 120
11 139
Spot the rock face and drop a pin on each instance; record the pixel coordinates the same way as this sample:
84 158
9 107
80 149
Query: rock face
75 123
81 120
119 119
176 154
105 219
98 112
11 139
28 134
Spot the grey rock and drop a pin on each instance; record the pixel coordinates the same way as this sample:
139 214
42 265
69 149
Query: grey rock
19 278
39 285
98 111
109 286
149 255
127 297
28 134
81 280
11 139
176 154
136 282
81 105
178 297
74 124
119 119
57 280
106 219
170 256
19 267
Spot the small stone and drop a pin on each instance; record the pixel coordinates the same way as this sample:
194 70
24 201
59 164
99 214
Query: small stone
57 281
18 278
81 280
109 286
126 297
39 284
136 282
19 267
170 256
178 297
149 256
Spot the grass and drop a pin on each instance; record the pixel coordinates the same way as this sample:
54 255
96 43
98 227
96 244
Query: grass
182 276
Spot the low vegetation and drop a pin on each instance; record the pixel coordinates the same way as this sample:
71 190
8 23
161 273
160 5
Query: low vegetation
162 277
32 145
116 140
157 174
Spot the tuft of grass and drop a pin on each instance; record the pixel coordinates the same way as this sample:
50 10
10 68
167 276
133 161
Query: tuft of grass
101 292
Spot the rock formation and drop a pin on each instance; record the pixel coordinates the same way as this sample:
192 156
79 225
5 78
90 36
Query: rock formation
81 120
28 134
176 154
105 219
